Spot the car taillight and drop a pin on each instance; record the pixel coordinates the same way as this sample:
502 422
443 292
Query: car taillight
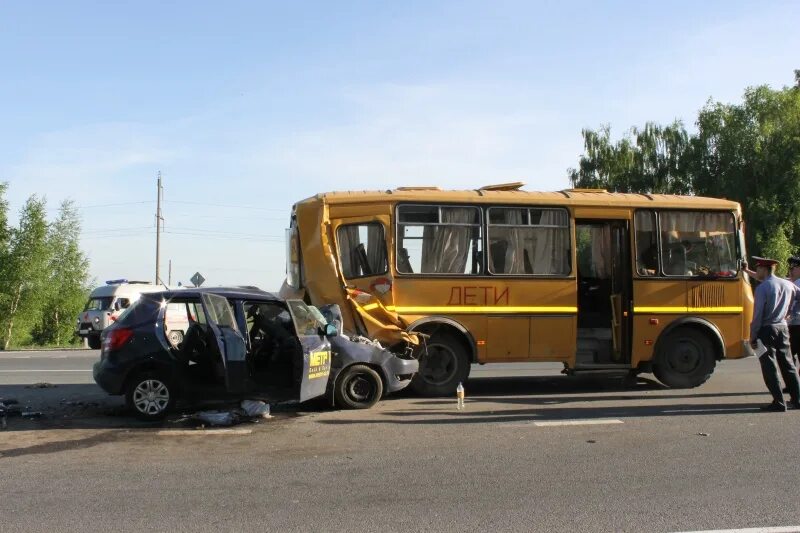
117 338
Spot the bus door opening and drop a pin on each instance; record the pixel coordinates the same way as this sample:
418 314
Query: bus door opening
604 293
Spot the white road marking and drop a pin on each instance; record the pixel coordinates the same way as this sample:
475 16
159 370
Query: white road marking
779 529
709 410
204 432
549 423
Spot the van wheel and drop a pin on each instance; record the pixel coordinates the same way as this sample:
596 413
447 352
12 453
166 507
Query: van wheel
685 359
94 342
444 366
150 395
358 387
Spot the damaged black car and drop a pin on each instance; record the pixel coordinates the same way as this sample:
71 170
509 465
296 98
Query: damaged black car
232 343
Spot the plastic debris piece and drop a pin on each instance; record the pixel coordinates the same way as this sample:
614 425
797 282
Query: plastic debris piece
703 434
32 414
256 408
216 418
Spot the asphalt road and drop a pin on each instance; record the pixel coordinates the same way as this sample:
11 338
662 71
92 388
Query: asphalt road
534 451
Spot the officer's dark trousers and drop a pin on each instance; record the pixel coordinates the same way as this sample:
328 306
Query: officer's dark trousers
778 355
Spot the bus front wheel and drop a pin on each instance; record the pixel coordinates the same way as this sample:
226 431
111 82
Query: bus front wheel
685 359
443 367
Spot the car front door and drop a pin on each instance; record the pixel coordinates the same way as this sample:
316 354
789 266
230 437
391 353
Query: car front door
316 352
230 341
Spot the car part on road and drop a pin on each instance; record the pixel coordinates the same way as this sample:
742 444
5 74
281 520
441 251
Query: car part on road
150 395
358 387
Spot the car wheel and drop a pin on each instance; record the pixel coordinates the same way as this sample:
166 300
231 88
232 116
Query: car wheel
94 342
443 367
150 395
358 387
685 359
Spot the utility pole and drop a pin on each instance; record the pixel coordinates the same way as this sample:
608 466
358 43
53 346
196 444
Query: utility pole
169 278
159 221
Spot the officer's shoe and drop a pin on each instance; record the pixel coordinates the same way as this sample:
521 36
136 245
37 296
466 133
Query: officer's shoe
774 407
794 405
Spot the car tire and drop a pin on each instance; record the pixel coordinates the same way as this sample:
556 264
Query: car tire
358 387
685 359
443 367
94 342
150 395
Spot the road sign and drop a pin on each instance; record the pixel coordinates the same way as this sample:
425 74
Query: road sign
197 279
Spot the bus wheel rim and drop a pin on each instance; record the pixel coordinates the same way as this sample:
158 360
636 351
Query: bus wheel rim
444 367
686 357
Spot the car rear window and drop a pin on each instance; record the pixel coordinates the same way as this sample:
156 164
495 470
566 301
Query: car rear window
142 311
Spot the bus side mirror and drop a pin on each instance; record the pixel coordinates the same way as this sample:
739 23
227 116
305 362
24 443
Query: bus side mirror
117 305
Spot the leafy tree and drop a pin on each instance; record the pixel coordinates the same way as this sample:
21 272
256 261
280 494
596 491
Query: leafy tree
747 152
750 153
68 272
653 160
25 273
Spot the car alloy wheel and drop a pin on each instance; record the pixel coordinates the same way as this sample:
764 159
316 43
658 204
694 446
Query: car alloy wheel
151 397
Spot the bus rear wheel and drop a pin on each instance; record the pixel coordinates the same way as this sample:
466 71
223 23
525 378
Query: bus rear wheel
443 367
685 359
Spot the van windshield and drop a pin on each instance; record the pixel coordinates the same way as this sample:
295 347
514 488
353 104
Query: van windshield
99 304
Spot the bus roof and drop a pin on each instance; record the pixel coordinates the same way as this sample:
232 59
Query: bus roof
566 197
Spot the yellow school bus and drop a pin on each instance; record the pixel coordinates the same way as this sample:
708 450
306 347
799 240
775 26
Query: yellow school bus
601 282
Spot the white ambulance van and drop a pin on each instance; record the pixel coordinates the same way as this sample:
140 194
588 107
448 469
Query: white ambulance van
108 301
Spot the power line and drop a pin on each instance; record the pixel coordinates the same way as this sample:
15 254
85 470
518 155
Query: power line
228 206
113 205
203 231
236 236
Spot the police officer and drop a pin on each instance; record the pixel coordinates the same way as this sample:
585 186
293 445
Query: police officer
794 317
773 300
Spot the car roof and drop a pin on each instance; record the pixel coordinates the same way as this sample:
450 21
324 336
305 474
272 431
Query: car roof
227 292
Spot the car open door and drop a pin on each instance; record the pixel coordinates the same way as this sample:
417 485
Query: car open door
310 327
231 344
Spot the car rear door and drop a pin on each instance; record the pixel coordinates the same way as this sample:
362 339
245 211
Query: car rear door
316 350
230 341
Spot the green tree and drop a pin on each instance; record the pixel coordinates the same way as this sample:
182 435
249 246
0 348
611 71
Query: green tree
651 160
25 273
748 152
68 273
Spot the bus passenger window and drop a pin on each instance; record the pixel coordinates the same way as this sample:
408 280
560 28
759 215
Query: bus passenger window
434 239
646 244
362 250
529 241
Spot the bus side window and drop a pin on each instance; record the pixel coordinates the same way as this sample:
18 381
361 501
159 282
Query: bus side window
646 244
362 249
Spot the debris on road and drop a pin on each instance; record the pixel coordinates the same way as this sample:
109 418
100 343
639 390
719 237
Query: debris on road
248 411
41 385
216 418
32 414
256 408
703 434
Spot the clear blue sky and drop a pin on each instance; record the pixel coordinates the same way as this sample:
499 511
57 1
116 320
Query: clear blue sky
246 107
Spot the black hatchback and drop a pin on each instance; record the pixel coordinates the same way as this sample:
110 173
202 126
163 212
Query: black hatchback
231 343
